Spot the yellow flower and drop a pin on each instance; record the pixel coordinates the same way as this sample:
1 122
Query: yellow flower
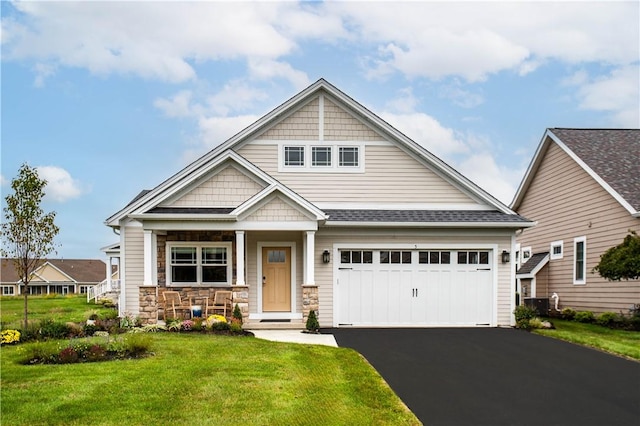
212 319
10 336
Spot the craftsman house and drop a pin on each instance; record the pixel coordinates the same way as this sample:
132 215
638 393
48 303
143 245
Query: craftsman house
582 189
321 205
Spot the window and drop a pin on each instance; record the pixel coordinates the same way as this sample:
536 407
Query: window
197 264
580 260
356 256
526 254
434 257
395 257
556 250
348 157
294 155
473 258
321 156
8 290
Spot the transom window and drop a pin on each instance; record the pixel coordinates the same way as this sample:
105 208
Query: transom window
294 155
395 257
434 257
348 156
321 156
473 258
198 264
356 256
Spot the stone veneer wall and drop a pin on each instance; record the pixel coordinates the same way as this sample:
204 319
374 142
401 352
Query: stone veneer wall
151 302
309 301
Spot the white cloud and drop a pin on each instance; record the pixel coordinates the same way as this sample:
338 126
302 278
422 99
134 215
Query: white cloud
60 186
179 105
428 132
482 169
617 93
3 181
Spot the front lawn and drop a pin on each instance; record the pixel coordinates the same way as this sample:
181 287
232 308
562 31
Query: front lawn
203 379
621 342
71 308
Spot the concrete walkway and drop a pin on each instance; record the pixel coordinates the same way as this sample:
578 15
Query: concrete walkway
295 336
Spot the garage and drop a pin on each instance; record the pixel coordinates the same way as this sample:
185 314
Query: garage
415 287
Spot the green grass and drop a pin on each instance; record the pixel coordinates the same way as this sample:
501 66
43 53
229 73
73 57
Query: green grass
71 308
204 380
620 342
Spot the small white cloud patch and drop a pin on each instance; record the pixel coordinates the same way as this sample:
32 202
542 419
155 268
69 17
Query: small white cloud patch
61 186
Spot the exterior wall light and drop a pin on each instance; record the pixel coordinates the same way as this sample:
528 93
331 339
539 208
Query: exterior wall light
326 256
505 256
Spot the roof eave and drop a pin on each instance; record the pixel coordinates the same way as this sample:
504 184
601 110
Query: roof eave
184 216
513 225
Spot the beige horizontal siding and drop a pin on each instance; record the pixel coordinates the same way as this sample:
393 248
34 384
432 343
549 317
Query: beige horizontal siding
228 188
133 267
391 176
567 203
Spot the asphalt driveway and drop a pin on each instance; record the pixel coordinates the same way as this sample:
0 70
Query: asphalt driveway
492 376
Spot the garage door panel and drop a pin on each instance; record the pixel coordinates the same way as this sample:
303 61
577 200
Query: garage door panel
417 293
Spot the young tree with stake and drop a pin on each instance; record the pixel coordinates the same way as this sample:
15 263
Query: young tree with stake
27 232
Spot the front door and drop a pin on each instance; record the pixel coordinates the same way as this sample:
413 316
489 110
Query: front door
276 279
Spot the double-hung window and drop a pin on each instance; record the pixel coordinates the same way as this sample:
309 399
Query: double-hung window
199 264
580 260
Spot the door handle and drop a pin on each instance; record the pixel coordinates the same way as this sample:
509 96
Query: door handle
264 280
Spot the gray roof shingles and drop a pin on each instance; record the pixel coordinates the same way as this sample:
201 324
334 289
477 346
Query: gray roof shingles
531 264
428 216
614 154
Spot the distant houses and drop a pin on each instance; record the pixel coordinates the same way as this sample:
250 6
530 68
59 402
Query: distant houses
54 276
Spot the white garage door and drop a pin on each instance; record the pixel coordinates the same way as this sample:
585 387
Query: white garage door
414 287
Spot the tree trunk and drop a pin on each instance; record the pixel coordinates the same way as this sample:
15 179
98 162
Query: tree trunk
26 318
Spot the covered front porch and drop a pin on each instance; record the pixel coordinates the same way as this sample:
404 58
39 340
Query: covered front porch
271 273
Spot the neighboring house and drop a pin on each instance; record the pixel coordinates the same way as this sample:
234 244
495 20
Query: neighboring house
321 205
582 189
60 276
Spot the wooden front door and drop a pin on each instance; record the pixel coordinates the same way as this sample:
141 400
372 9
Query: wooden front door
276 279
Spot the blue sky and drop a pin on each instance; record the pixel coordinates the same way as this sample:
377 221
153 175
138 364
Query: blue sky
109 98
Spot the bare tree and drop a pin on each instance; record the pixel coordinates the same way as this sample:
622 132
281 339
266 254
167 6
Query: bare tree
27 232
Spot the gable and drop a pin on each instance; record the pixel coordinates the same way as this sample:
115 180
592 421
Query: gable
50 274
227 188
276 209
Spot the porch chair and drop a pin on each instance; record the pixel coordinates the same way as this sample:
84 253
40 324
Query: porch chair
173 303
222 300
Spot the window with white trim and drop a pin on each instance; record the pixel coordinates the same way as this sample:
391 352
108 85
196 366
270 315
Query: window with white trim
8 290
348 156
556 250
321 156
294 156
580 260
199 264
526 254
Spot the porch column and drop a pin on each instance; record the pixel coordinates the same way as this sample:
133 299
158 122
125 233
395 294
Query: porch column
109 273
148 257
240 258
310 258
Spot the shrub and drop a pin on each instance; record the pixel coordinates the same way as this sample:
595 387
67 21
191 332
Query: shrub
568 314
153 328
220 326
312 322
237 314
197 324
90 329
39 353
523 315
584 316
608 319
109 315
136 345
68 356
50 329
236 327
187 325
